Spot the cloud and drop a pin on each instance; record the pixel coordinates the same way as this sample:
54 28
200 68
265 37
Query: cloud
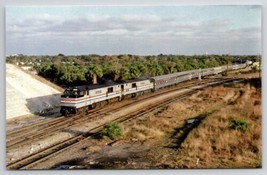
91 25
135 34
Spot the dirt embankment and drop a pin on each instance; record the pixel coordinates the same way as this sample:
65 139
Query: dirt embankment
27 95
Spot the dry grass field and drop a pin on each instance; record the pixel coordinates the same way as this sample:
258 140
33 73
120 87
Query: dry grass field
213 140
215 145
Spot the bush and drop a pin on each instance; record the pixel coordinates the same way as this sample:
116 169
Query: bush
112 130
238 124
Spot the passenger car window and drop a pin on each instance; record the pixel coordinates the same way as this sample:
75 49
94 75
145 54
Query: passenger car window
110 89
134 85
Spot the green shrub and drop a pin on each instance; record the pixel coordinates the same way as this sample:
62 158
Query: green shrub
112 130
238 124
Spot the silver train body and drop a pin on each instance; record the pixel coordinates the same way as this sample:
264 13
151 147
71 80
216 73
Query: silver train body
83 97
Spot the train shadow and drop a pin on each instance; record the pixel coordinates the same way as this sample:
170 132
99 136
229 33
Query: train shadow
181 133
45 106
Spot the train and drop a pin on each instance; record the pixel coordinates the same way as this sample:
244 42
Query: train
80 98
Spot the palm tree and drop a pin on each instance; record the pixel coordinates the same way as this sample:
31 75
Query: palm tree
94 71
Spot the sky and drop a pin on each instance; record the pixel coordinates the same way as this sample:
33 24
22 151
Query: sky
137 30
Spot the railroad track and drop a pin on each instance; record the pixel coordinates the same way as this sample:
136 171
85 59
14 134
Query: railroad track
31 160
44 130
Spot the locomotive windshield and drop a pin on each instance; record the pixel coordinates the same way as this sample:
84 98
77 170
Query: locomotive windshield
67 92
72 93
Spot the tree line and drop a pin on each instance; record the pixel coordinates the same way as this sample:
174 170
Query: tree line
91 69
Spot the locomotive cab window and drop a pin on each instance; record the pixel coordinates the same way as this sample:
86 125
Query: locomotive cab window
67 92
75 92
110 89
82 93
134 85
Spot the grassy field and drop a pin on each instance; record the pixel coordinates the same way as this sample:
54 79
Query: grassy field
225 134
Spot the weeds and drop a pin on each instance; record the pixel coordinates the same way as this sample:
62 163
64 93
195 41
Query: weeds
112 131
238 124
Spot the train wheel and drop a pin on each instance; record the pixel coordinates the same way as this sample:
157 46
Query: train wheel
119 99
102 103
81 110
133 95
93 106
107 102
